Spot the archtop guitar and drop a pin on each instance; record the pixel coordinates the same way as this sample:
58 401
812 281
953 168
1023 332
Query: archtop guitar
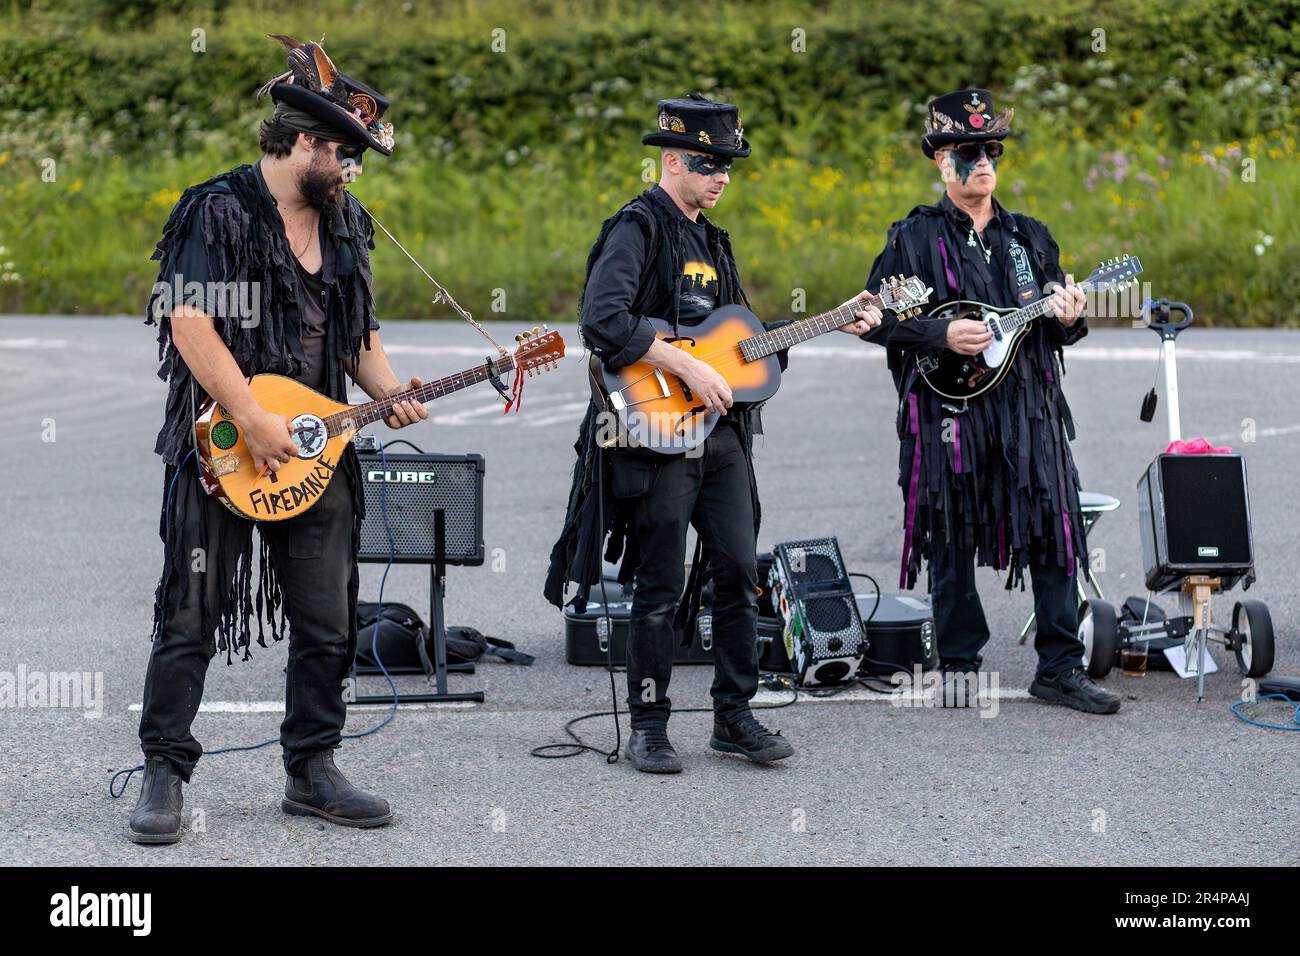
322 428
656 410
962 377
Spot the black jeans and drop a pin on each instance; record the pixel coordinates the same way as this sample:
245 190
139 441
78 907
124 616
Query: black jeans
315 562
712 492
961 629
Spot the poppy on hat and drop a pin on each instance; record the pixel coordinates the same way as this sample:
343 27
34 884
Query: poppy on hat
963 117
314 97
699 123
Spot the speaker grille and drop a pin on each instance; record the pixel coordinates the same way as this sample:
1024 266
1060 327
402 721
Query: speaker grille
1205 505
417 486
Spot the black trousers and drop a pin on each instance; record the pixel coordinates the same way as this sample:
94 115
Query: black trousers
712 492
961 630
315 563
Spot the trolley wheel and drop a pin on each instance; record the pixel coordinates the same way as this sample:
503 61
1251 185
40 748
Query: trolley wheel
1253 628
1099 632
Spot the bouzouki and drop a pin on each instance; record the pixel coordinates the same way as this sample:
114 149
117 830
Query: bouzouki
656 410
962 377
322 428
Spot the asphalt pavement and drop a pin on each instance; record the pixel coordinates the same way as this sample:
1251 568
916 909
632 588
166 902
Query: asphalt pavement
1167 781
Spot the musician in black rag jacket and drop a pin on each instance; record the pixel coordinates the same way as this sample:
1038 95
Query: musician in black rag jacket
661 256
990 480
266 268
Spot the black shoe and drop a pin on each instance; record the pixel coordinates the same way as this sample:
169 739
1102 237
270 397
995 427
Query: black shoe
745 735
320 789
157 814
1075 689
650 751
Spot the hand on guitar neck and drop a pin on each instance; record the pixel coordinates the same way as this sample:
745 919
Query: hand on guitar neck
865 318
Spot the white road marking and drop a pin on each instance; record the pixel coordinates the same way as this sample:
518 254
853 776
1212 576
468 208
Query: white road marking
861 694
277 706
33 343
1086 353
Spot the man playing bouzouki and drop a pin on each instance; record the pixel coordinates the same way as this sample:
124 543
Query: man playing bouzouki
990 479
285 233
660 256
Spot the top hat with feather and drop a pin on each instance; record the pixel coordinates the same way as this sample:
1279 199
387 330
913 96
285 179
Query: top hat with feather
963 117
699 123
347 106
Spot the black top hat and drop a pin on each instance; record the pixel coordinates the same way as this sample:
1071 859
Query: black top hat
699 123
342 104
963 117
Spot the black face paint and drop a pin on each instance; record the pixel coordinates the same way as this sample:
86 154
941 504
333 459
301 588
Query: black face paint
967 156
707 165
346 151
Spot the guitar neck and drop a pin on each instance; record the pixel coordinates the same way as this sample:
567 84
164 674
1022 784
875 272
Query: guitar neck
360 415
774 340
1014 320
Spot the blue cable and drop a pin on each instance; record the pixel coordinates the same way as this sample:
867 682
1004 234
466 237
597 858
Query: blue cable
1295 717
116 792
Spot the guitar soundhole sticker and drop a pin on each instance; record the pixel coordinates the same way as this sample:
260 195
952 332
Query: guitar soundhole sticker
224 435
310 434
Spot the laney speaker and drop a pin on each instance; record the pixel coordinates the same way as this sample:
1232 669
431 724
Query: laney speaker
824 637
414 488
1195 519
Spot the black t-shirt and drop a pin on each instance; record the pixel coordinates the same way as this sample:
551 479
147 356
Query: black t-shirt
698 291
311 293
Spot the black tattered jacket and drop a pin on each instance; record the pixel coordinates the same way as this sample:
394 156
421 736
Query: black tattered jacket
993 477
229 231
620 338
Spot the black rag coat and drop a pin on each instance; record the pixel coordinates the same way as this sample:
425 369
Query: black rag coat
576 555
994 476
228 230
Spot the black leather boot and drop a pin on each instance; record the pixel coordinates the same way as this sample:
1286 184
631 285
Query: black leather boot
157 814
320 789
743 734
1075 689
650 751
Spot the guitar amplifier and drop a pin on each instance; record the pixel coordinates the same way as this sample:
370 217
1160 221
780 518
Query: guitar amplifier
1194 516
414 487
824 637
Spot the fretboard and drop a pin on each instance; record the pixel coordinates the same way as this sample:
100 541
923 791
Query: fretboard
360 415
1014 320
775 340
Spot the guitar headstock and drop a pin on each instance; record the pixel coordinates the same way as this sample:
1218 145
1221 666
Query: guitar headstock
538 350
1113 275
904 297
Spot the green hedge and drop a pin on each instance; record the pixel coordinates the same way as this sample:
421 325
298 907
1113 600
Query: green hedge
588 76
506 163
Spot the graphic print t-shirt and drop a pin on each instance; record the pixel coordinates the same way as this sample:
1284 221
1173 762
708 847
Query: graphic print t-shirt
699 287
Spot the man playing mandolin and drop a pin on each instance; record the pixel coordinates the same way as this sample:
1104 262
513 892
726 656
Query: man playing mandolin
660 256
989 479
286 235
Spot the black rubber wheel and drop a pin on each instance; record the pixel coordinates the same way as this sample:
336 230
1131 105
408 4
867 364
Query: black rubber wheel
1253 626
1099 631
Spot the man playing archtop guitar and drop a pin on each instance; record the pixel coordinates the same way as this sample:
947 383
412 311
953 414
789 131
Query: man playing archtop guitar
660 258
987 478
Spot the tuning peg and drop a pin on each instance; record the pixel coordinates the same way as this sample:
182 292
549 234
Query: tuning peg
519 338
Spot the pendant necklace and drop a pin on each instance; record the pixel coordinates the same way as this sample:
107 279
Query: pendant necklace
970 241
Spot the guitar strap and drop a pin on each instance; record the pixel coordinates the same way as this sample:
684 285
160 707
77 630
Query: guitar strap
1021 273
